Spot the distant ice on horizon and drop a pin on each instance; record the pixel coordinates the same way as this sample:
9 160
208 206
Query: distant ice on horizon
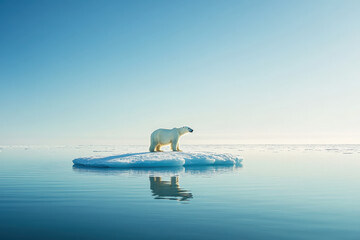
160 159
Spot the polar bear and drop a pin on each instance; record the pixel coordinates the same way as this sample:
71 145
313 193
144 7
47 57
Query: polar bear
162 137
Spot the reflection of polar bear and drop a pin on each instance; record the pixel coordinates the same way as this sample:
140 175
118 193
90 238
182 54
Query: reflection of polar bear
168 189
162 137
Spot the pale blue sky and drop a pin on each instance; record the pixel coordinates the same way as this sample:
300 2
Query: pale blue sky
111 72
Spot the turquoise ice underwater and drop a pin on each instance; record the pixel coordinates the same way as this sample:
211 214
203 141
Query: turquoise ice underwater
279 192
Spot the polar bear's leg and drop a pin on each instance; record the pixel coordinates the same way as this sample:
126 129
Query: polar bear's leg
152 147
157 148
174 145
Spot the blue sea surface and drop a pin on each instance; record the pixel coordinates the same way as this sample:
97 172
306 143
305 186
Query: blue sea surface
279 192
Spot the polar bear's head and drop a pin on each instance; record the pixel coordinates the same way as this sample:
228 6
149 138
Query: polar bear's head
186 129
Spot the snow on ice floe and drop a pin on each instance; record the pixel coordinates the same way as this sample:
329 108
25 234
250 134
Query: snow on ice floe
160 159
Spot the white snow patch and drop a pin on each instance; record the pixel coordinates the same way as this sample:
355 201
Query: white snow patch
159 159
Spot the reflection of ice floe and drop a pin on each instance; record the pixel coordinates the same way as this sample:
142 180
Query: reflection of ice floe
213 169
159 159
164 171
160 171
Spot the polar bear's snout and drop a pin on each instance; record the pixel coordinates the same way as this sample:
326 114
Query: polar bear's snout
188 129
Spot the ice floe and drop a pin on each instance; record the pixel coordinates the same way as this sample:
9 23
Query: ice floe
160 159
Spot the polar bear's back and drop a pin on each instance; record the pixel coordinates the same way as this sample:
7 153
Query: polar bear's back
163 136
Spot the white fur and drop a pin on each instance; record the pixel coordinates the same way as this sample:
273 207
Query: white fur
162 137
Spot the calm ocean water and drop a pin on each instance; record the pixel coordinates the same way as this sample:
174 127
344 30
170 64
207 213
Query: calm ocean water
279 192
